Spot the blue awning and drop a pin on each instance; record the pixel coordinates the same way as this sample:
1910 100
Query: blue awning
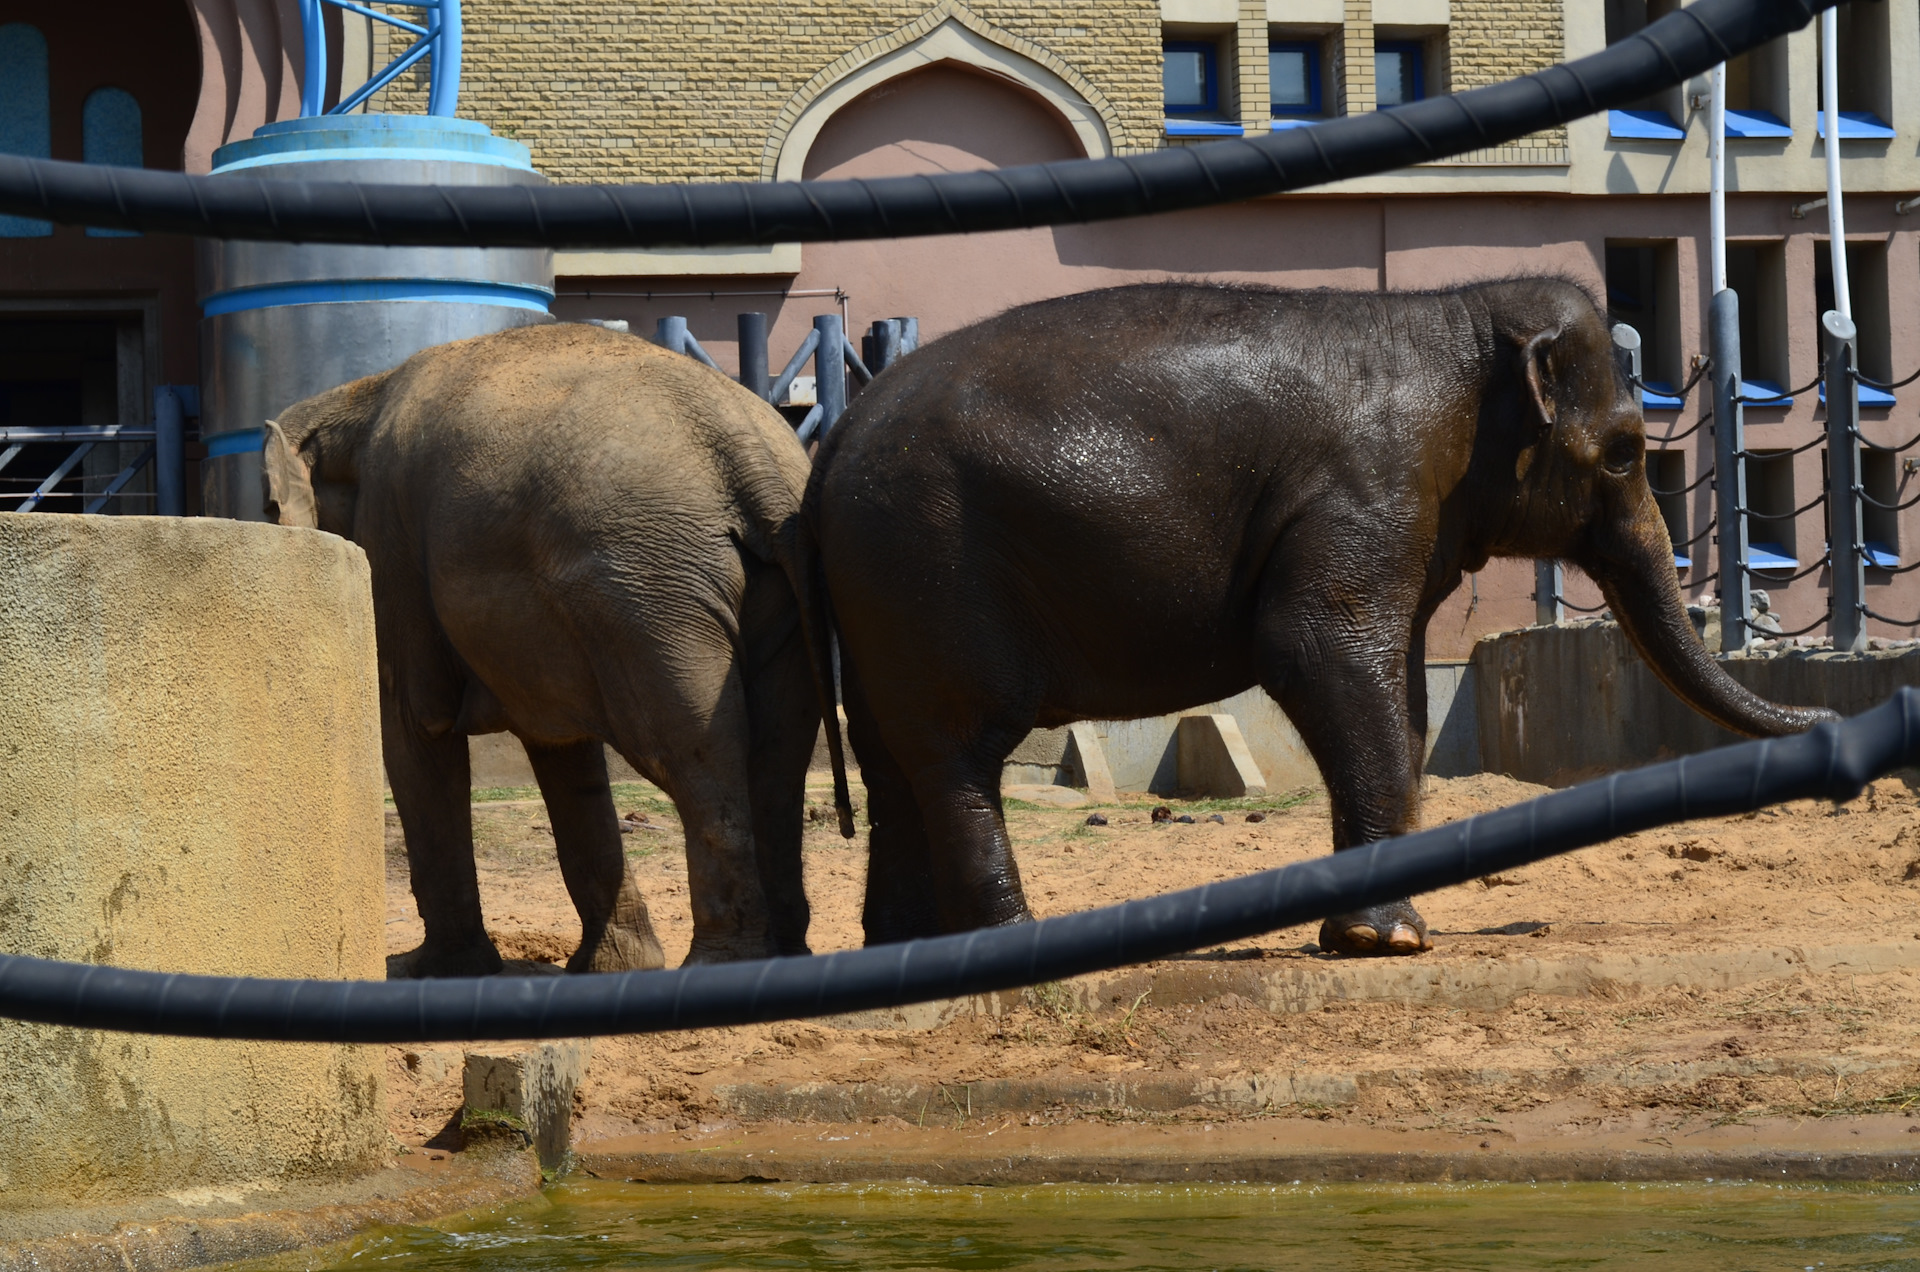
1682 563
1643 125
1855 125
1881 556
1764 393
1769 556
1659 396
1756 123
1203 128
1281 125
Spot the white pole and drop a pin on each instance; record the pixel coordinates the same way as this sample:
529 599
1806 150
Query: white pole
1717 167
1830 107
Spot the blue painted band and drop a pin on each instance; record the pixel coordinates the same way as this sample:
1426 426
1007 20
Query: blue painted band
239 442
356 290
418 155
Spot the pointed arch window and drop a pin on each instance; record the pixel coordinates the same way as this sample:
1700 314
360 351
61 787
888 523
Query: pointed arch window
110 133
26 114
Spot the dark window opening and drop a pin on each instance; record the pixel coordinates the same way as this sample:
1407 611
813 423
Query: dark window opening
1757 274
1867 285
1293 77
1863 50
1770 525
1399 72
1626 18
1190 77
1880 478
1667 471
1643 291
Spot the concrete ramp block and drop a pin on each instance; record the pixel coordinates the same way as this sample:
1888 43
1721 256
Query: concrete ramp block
529 1088
1085 751
1213 758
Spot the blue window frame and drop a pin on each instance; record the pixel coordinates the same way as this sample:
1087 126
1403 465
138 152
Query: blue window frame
1293 77
110 132
1398 74
26 112
1189 77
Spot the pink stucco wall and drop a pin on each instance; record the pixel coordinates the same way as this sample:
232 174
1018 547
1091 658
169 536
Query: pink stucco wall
948 119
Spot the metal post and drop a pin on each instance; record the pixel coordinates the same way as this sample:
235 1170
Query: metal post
1830 111
671 334
1548 583
1717 176
1729 472
830 369
443 24
313 75
753 353
909 334
886 343
1845 545
169 453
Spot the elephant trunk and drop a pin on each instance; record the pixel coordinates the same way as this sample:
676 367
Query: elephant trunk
1635 572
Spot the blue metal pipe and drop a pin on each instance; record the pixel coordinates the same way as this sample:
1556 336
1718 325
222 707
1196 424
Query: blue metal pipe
444 94
313 82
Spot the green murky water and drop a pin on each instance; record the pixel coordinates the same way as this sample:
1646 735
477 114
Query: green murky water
1374 1228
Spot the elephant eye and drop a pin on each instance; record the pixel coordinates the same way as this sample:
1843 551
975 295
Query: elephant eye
1623 453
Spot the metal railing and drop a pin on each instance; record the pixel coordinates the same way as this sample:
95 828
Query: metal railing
438 40
826 346
165 450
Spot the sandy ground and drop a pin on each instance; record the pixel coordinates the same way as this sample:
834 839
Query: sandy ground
1805 876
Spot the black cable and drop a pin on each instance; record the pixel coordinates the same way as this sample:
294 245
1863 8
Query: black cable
1675 437
1909 444
1578 609
1704 476
1808 387
1834 760
1886 507
1891 622
1896 569
1765 456
1884 388
1696 538
1698 371
1800 574
1798 631
1685 43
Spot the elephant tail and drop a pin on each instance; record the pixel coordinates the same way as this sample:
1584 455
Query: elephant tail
801 562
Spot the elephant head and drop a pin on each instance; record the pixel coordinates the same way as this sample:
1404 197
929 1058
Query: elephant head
310 457
1580 466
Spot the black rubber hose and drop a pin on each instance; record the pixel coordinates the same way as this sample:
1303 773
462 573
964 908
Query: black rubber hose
1833 761
1685 43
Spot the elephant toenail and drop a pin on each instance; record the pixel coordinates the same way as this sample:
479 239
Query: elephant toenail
1362 937
1404 939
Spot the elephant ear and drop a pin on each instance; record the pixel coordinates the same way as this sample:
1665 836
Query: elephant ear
286 481
1538 359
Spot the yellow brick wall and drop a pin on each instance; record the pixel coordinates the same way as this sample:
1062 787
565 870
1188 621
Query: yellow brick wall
684 90
1494 40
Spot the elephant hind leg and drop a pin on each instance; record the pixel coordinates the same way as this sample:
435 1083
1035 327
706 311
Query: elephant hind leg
430 780
616 934
783 722
900 891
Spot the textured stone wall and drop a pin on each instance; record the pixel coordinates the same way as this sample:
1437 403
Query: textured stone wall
189 781
1493 40
667 90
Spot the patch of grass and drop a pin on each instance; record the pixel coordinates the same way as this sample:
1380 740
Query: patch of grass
495 794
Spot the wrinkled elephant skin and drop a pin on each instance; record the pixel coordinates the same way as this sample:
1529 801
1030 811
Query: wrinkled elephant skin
1135 501
579 537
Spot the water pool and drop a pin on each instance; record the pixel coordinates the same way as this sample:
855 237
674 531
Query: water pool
578 1226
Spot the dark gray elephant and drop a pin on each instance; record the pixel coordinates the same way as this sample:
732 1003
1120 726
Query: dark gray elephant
1134 501
579 537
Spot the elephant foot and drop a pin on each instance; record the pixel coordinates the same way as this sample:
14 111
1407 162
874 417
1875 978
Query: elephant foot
478 958
1395 928
708 949
620 949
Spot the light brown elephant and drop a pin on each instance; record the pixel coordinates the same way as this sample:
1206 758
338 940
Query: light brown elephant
579 537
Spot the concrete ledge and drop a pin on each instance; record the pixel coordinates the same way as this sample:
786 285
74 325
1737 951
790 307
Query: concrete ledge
1270 1150
531 1086
1213 758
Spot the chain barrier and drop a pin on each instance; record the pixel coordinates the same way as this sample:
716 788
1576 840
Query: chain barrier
1705 476
1860 378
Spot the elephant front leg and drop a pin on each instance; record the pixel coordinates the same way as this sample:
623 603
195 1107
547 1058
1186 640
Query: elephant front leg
616 934
431 789
1350 706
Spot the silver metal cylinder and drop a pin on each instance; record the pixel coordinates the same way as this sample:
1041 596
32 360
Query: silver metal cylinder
284 321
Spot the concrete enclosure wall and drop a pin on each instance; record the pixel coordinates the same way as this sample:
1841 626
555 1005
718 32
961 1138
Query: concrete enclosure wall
189 781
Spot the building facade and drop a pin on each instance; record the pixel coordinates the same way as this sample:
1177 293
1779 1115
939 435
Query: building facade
646 90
